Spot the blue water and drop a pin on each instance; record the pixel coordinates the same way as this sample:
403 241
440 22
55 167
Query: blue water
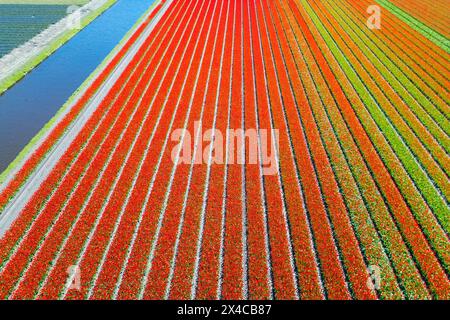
32 102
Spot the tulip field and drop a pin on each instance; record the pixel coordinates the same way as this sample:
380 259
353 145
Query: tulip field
357 203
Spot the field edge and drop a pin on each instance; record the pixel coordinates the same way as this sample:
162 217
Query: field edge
51 48
29 149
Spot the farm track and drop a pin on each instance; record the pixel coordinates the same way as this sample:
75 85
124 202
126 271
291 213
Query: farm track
356 124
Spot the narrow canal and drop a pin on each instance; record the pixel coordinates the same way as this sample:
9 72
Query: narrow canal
31 103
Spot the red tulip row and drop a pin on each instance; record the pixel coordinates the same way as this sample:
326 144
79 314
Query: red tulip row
427 66
184 263
317 214
207 282
98 218
48 214
312 114
419 54
58 214
156 103
45 204
232 269
180 212
112 266
303 213
284 196
426 150
362 196
109 167
263 263
153 272
431 53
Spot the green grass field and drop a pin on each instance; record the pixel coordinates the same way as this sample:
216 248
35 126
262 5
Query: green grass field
20 23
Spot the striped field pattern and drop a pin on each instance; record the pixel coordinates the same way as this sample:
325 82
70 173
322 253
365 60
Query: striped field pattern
357 206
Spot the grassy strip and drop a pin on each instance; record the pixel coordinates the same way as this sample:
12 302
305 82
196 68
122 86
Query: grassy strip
46 52
429 33
49 125
402 178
